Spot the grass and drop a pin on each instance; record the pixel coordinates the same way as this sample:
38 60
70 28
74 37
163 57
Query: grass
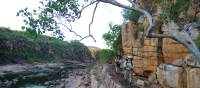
90 66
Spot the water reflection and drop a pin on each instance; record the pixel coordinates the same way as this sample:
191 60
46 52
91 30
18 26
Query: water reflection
33 86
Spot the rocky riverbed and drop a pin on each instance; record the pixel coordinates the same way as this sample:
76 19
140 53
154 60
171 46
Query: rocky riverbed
63 75
48 75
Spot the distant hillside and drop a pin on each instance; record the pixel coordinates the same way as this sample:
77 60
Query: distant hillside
23 47
94 47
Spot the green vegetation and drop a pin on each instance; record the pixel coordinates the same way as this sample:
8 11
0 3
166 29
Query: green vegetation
106 56
49 15
197 41
173 9
90 66
113 38
19 47
132 15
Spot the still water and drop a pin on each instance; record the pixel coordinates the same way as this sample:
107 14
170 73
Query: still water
33 86
48 79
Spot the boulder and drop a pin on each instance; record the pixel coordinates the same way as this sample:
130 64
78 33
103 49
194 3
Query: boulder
170 76
193 78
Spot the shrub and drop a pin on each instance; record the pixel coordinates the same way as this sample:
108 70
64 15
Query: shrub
106 56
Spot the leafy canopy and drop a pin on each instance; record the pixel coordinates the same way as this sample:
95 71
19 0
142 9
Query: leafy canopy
50 16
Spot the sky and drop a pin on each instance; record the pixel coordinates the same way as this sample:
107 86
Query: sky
104 15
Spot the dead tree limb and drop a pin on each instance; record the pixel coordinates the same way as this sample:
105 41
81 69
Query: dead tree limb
64 24
90 35
84 7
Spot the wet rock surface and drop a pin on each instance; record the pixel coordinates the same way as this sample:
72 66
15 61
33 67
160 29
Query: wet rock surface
69 76
47 75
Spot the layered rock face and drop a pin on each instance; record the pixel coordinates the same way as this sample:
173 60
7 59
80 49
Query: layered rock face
173 51
162 59
171 64
127 39
145 56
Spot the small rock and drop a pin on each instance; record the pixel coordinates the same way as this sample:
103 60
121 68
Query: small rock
46 83
15 80
152 78
140 82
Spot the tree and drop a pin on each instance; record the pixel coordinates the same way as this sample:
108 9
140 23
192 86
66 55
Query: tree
170 14
113 37
106 56
54 14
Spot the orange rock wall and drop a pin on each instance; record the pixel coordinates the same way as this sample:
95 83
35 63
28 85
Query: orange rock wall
127 39
147 56
173 51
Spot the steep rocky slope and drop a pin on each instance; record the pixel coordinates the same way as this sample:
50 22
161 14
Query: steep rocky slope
23 47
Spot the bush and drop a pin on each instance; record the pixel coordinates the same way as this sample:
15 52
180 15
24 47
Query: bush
197 41
106 56
132 15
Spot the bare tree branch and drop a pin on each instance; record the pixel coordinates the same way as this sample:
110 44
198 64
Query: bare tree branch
185 39
156 35
58 18
182 37
147 14
61 23
87 37
70 30
95 8
135 7
84 7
